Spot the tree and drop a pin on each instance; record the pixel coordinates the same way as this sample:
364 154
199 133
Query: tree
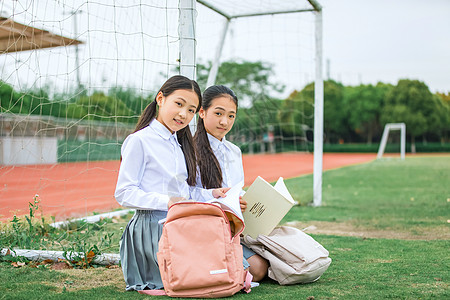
133 100
9 99
98 106
257 119
412 103
298 109
35 102
365 103
443 115
38 102
296 114
251 81
444 97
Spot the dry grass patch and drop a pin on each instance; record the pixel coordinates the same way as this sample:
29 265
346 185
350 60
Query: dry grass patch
89 278
350 229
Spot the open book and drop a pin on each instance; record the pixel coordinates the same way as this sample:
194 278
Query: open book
266 206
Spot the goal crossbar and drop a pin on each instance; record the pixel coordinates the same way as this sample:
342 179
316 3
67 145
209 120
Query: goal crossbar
315 7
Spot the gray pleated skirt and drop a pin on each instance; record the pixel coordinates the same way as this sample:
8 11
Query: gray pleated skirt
138 248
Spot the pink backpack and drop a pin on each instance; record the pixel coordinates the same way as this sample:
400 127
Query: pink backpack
200 253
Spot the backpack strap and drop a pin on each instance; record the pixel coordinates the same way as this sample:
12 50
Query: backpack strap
247 282
153 292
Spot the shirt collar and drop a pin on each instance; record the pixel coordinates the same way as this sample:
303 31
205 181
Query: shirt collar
162 130
215 143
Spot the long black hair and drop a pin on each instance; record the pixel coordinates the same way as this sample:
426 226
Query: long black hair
209 166
184 135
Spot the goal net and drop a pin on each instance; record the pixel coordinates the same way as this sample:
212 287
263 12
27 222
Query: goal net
75 76
273 55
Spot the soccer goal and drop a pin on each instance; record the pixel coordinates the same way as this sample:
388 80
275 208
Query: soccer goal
384 139
288 36
76 75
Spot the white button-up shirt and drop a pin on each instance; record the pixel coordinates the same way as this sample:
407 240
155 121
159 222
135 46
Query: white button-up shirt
152 170
230 160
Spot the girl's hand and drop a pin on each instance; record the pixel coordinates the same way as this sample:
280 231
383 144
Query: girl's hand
220 192
243 204
174 200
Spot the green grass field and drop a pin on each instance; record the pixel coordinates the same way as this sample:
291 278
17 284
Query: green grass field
408 198
385 223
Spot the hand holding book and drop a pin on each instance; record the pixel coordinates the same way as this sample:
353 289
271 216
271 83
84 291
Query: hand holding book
266 205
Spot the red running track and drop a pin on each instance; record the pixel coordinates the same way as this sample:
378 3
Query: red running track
77 189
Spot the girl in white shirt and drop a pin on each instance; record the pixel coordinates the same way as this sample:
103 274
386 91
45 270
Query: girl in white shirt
219 161
158 166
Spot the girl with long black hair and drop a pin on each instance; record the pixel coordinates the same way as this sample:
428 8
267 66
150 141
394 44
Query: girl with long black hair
220 161
158 167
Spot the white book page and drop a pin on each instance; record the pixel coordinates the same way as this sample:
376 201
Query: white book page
282 189
231 200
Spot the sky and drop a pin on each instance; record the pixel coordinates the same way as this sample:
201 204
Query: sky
132 44
364 42
385 40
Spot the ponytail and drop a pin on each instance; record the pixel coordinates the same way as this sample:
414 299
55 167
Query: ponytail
187 146
147 116
210 171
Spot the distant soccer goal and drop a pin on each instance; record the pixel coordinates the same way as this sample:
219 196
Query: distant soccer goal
387 128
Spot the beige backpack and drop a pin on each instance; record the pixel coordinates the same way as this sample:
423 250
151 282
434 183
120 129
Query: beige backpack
294 256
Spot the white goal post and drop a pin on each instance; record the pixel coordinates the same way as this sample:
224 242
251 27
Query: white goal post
387 128
316 8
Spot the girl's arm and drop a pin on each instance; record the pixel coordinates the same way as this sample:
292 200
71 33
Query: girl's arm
202 195
128 191
134 197
198 193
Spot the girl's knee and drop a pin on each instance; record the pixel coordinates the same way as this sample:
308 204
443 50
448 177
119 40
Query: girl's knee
258 267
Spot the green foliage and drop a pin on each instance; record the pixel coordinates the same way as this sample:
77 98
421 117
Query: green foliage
98 106
411 102
251 81
298 110
364 104
34 102
120 104
390 147
136 102
27 233
352 114
355 113
335 118
440 118
81 242
253 84
296 113
253 122
9 99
